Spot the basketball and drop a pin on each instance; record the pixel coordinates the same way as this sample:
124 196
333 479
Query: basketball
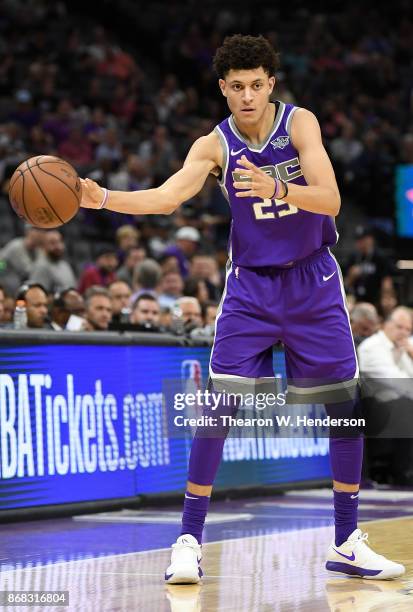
45 191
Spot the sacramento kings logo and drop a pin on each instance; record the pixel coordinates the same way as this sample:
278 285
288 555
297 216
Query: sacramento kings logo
281 142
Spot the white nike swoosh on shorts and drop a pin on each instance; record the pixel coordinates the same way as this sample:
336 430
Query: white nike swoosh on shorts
326 278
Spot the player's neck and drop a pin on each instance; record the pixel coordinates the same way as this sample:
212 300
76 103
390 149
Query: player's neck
256 133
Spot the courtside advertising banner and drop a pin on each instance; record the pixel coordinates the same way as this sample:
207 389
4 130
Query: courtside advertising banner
87 422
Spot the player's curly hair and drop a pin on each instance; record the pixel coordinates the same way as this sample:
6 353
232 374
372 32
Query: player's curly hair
239 52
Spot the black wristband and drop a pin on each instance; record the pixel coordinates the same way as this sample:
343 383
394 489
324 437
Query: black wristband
285 194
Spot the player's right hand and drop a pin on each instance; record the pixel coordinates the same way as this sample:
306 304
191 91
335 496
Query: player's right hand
92 194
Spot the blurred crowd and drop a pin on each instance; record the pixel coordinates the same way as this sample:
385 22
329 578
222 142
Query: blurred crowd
124 104
123 289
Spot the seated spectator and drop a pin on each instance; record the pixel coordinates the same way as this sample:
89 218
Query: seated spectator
8 309
146 313
387 303
109 147
35 297
205 267
67 305
159 151
98 312
186 242
76 149
165 319
52 270
210 311
120 294
102 272
347 147
186 315
133 257
197 288
146 277
171 288
364 321
367 270
133 176
386 367
127 237
169 263
20 255
388 354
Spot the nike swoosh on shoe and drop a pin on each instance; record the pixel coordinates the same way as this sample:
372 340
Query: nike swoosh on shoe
350 558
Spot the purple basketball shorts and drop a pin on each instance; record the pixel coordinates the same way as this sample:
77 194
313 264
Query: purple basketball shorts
303 306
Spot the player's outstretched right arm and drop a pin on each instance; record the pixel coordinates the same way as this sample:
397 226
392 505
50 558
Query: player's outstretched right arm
204 156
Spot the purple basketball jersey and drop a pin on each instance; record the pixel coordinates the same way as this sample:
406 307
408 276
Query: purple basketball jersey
270 232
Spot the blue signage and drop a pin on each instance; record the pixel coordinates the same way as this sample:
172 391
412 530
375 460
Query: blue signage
87 422
404 200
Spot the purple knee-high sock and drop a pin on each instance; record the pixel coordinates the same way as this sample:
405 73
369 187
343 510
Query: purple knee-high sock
204 461
346 456
193 517
345 515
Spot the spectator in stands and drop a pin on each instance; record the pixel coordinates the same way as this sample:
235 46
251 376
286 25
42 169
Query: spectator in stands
127 237
66 305
386 366
52 270
134 256
171 288
76 149
20 255
146 313
367 270
186 242
389 353
109 147
159 152
98 312
387 303
205 267
346 148
132 176
120 295
209 311
35 296
102 272
165 319
187 315
197 288
8 309
146 277
169 263
364 321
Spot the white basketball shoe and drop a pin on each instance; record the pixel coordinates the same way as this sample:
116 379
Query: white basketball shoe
355 558
185 559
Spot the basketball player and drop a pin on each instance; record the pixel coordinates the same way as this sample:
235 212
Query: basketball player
282 281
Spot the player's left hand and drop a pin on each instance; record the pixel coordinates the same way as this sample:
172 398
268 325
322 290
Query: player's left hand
259 184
